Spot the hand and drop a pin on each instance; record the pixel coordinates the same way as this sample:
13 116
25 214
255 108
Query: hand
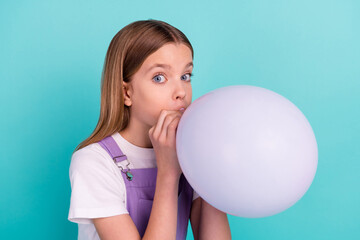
163 138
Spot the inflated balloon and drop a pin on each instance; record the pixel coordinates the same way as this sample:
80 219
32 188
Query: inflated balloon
247 150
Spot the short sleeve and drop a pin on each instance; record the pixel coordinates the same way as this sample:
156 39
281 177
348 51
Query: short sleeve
195 195
97 187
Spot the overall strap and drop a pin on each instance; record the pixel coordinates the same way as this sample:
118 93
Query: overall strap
113 149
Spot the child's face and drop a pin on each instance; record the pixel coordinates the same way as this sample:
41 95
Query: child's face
154 88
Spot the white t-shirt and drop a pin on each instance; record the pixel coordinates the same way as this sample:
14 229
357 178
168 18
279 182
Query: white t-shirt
97 186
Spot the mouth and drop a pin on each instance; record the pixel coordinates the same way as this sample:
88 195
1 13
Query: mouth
182 109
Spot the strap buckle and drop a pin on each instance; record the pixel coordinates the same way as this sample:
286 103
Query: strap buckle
127 172
119 158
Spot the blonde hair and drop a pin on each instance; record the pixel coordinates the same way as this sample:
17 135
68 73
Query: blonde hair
126 53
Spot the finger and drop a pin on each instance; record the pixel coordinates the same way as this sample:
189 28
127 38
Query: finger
151 130
168 119
158 125
160 122
171 133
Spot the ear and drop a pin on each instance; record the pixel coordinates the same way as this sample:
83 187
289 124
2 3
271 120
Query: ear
127 91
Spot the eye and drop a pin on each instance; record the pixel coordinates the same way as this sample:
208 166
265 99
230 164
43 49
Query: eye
186 77
159 78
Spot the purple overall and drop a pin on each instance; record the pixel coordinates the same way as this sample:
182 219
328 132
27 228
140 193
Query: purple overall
140 192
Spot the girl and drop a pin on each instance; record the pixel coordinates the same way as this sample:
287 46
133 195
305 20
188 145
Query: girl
125 178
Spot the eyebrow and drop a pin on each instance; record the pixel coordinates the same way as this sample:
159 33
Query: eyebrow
190 64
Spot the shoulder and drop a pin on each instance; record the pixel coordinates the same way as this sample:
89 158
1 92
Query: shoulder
86 156
97 187
91 158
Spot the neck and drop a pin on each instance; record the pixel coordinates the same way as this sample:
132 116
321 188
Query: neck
137 134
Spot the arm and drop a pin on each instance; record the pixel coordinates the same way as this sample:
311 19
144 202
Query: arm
163 217
208 222
195 216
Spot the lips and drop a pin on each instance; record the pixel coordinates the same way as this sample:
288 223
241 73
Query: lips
182 109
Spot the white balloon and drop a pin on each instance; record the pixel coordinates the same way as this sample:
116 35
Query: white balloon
247 150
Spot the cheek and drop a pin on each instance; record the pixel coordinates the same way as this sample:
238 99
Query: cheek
189 94
150 108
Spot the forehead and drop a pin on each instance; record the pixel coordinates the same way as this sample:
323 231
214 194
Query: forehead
175 55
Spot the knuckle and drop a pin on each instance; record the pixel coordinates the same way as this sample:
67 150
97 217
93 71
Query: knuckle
173 125
151 132
168 118
163 112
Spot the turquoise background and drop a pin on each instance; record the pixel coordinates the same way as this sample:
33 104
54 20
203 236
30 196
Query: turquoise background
52 54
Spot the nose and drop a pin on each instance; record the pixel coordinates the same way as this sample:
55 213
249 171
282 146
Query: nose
179 90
